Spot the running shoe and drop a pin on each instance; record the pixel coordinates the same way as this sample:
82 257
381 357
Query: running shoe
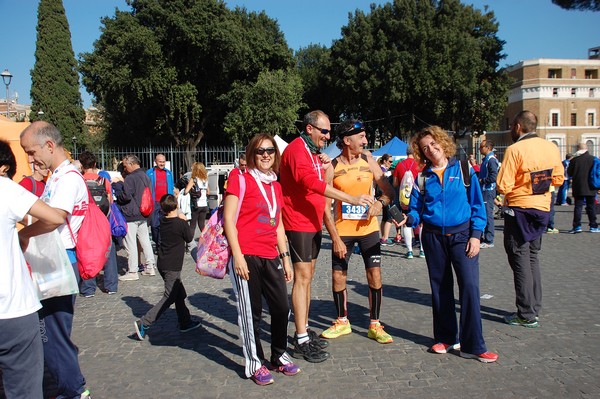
552 231
486 245
140 330
338 329
515 320
149 271
594 229
376 332
309 352
575 230
262 376
386 243
86 394
421 254
129 277
409 255
441 347
192 325
288 369
485 357
397 240
318 341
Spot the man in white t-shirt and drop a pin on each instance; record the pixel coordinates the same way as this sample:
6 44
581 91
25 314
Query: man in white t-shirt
66 192
21 351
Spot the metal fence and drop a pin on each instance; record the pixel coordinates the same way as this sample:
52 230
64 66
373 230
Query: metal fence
109 158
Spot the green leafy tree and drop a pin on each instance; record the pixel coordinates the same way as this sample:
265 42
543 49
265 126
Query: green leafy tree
164 71
312 63
54 78
270 105
582 5
411 63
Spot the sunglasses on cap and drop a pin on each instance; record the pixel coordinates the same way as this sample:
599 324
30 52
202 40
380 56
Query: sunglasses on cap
268 150
356 128
323 131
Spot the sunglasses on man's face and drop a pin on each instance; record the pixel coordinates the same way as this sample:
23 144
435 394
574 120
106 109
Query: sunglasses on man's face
268 150
323 131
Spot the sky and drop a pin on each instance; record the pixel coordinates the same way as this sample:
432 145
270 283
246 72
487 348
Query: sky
531 29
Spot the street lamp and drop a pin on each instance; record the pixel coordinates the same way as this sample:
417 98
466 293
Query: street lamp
6 77
74 145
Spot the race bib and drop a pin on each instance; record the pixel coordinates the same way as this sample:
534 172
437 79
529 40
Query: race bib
354 212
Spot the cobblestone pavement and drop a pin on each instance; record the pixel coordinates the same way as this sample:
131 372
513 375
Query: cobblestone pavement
556 360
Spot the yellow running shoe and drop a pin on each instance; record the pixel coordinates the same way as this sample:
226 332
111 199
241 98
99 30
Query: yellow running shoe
376 332
338 329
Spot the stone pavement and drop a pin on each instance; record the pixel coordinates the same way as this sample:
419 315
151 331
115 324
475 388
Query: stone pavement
556 360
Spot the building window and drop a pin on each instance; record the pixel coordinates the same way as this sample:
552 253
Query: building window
573 119
554 73
554 120
591 74
573 92
590 119
592 93
573 73
555 92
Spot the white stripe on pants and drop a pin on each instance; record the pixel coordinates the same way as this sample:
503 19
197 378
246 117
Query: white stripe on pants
242 294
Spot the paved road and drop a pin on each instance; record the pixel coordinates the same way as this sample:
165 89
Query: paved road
558 359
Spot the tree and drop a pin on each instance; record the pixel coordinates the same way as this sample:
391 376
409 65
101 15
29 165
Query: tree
312 63
419 62
582 5
268 105
165 70
54 78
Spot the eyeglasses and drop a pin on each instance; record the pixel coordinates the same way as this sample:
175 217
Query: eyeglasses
323 131
268 150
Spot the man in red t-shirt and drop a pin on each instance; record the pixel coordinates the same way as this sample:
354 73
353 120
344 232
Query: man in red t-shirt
409 164
241 169
36 182
162 183
304 187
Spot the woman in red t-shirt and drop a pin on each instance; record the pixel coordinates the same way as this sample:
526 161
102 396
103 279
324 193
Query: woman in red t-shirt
261 262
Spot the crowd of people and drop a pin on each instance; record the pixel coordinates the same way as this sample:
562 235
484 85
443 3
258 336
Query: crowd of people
274 210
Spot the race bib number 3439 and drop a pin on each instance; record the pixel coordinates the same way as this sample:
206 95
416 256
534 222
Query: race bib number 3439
354 212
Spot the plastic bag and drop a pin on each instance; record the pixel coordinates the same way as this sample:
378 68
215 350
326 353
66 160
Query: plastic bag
51 269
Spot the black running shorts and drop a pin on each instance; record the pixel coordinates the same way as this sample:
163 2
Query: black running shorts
304 247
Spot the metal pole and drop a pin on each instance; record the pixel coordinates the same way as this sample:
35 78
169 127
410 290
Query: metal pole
7 103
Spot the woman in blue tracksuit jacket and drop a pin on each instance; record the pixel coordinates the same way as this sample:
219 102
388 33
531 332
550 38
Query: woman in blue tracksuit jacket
453 217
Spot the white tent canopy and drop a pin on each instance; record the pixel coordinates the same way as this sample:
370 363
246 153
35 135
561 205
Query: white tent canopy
281 143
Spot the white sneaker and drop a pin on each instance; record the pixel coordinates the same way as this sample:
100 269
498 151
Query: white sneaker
149 271
129 277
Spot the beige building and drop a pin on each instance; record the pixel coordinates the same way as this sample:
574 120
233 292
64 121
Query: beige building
564 94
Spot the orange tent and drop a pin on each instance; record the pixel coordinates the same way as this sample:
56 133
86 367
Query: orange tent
10 132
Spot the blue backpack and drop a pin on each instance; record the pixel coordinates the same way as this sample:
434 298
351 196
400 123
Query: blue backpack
594 177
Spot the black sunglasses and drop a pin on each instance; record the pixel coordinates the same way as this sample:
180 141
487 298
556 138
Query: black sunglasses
268 150
323 131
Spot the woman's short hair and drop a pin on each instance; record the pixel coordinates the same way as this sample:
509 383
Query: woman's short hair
7 157
440 136
253 145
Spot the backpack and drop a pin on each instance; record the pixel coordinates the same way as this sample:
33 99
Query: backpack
147 204
594 176
118 224
405 190
97 189
93 240
213 255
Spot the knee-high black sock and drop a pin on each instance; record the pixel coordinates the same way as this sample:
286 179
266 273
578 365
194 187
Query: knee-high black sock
339 300
374 302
